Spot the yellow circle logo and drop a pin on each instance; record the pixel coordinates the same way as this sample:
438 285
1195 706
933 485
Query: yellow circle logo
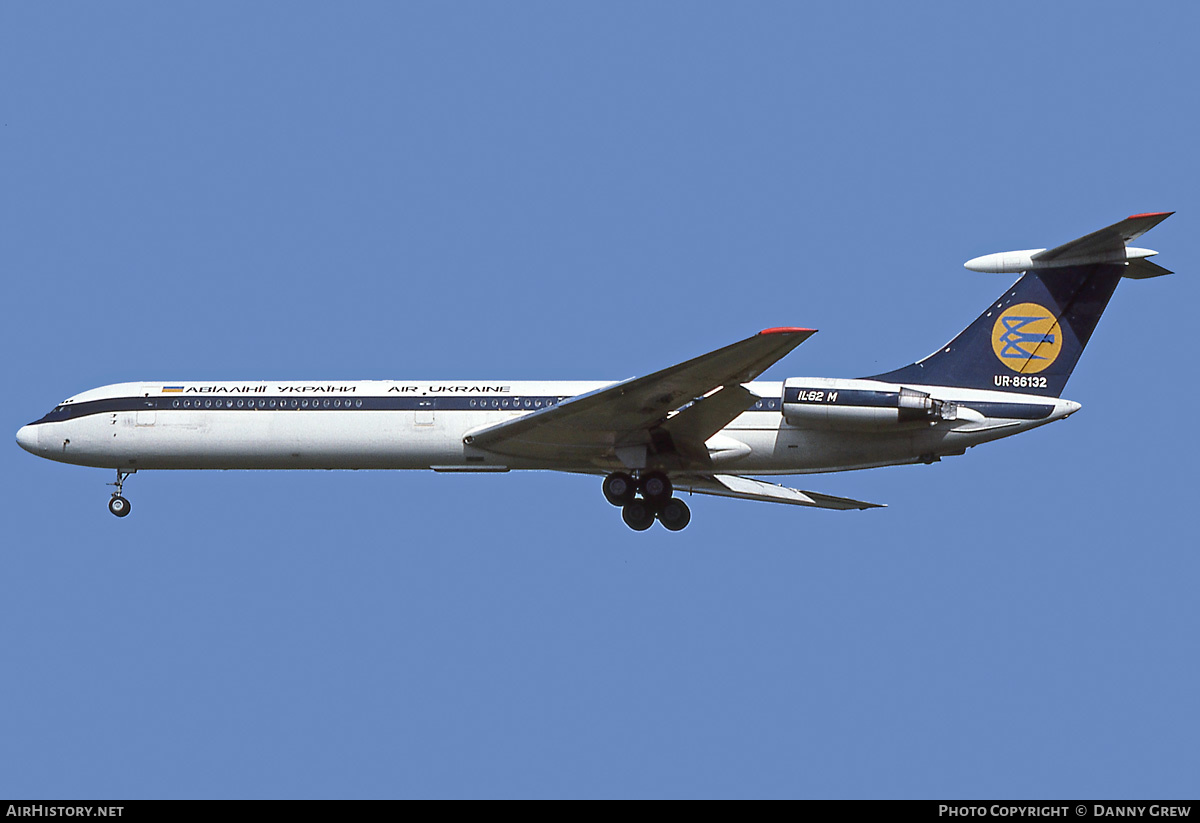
1027 338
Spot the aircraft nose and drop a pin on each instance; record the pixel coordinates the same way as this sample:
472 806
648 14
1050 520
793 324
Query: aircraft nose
27 438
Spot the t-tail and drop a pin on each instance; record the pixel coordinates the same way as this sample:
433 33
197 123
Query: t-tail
1030 339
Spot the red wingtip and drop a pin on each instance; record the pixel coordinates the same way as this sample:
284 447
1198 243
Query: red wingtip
1150 214
787 330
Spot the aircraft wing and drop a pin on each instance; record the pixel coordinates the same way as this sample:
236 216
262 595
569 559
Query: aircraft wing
746 488
703 395
1111 239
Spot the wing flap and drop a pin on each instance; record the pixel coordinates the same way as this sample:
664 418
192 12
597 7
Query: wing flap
702 419
746 488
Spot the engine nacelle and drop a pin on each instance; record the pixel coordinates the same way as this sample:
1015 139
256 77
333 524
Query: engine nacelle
808 404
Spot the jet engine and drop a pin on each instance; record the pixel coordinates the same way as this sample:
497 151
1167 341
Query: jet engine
815 404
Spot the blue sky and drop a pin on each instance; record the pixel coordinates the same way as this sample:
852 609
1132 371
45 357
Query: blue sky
560 191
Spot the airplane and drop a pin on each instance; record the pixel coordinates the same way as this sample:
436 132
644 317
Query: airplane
703 426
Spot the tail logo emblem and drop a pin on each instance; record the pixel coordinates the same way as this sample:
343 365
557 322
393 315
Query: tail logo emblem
1027 338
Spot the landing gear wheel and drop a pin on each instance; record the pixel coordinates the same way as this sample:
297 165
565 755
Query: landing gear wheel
674 515
619 489
638 515
118 505
656 488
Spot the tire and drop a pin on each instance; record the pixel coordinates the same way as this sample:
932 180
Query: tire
619 489
638 515
656 488
675 515
119 506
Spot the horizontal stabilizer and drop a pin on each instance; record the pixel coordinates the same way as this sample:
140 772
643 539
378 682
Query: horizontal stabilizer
745 488
1113 238
1108 245
1141 269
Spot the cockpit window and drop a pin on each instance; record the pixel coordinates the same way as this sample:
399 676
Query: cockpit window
60 412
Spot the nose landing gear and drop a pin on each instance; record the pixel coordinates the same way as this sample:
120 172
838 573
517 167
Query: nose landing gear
117 504
656 501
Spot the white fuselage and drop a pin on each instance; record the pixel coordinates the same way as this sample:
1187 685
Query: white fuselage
831 425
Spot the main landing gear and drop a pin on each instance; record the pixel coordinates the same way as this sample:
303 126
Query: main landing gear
118 505
656 501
